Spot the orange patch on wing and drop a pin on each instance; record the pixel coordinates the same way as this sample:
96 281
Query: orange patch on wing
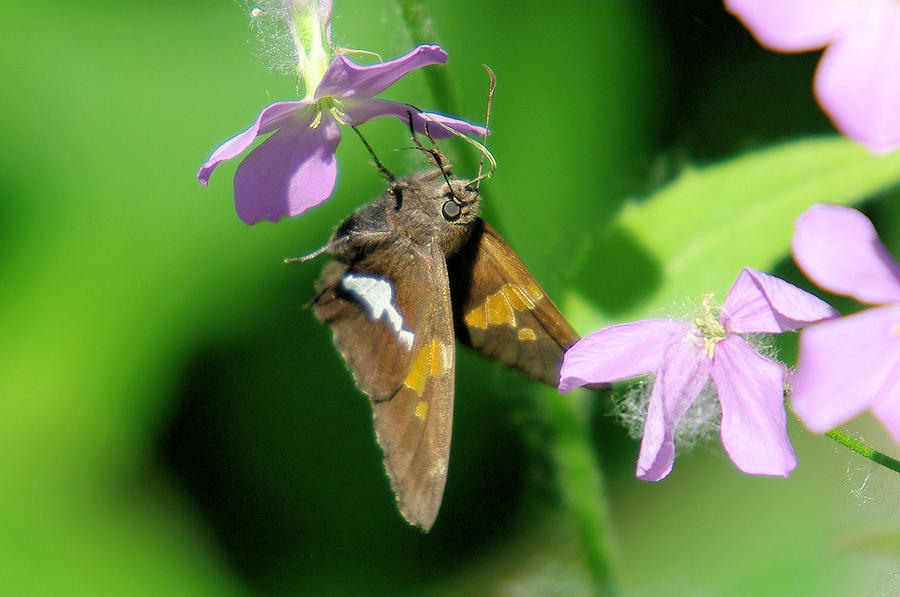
429 362
527 334
422 410
477 317
500 308
534 291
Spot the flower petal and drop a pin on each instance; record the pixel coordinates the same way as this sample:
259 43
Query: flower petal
438 131
792 25
349 80
290 172
838 249
684 372
271 117
619 352
846 365
360 112
762 304
856 82
887 409
751 392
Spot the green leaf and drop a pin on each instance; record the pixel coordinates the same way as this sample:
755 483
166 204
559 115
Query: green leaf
695 234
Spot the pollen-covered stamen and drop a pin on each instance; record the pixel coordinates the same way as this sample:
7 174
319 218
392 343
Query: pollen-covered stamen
333 106
338 115
709 326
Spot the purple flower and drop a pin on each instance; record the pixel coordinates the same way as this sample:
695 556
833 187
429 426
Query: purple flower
686 355
850 364
295 168
856 82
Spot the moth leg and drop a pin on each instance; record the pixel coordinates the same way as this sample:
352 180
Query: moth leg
350 247
381 167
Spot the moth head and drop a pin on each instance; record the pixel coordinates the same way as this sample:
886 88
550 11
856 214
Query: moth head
434 205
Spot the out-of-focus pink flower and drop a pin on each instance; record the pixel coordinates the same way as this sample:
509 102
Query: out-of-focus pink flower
295 168
685 356
857 81
850 364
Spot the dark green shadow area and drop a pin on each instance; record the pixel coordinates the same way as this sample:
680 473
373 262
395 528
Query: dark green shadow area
728 95
275 446
614 273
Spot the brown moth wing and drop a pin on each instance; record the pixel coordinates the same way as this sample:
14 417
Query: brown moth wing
409 379
501 310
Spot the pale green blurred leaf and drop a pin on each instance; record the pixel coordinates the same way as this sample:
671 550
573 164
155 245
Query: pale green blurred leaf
695 234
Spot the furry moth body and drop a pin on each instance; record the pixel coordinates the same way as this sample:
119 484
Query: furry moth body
413 271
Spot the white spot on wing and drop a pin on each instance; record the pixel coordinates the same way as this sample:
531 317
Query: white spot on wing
406 337
377 295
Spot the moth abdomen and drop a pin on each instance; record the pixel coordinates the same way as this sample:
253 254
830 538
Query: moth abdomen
395 310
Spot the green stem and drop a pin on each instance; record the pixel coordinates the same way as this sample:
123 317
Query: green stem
581 484
864 450
421 31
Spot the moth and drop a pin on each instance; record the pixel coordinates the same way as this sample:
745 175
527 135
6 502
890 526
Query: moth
413 271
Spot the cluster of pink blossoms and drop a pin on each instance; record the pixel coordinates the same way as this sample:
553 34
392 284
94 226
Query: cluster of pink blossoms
856 82
848 365
294 169
845 365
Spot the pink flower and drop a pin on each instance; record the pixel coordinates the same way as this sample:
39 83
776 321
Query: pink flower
850 364
685 356
856 82
295 168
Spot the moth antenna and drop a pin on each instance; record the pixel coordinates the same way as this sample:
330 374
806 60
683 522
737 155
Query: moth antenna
384 171
479 146
435 155
430 138
487 122
456 199
412 132
345 51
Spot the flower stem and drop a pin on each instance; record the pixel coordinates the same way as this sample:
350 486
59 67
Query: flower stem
581 484
421 31
864 450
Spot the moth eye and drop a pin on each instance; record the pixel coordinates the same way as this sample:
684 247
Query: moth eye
450 211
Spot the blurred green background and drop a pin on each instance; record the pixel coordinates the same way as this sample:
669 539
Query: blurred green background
173 420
